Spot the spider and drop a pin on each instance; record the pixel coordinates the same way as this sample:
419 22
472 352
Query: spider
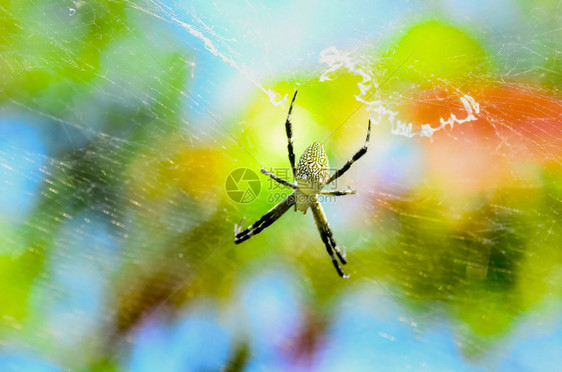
311 174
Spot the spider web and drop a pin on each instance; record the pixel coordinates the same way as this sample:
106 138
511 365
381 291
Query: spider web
121 121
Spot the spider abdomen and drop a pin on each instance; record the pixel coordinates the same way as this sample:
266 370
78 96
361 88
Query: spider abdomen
313 169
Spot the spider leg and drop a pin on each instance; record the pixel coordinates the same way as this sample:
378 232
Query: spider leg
337 192
237 227
289 129
328 238
353 159
267 219
278 179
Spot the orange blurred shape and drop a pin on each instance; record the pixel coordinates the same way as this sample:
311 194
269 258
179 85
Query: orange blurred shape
516 129
200 172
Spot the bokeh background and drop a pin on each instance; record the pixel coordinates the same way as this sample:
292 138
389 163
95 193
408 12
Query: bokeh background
120 122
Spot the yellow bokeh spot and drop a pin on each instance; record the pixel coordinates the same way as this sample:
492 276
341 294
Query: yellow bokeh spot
434 50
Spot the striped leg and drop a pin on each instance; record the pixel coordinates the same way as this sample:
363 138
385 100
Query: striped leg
278 179
267 219
289 129
353 159
328 238
337 192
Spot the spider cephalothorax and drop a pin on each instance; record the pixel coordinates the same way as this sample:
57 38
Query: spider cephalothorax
311 175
